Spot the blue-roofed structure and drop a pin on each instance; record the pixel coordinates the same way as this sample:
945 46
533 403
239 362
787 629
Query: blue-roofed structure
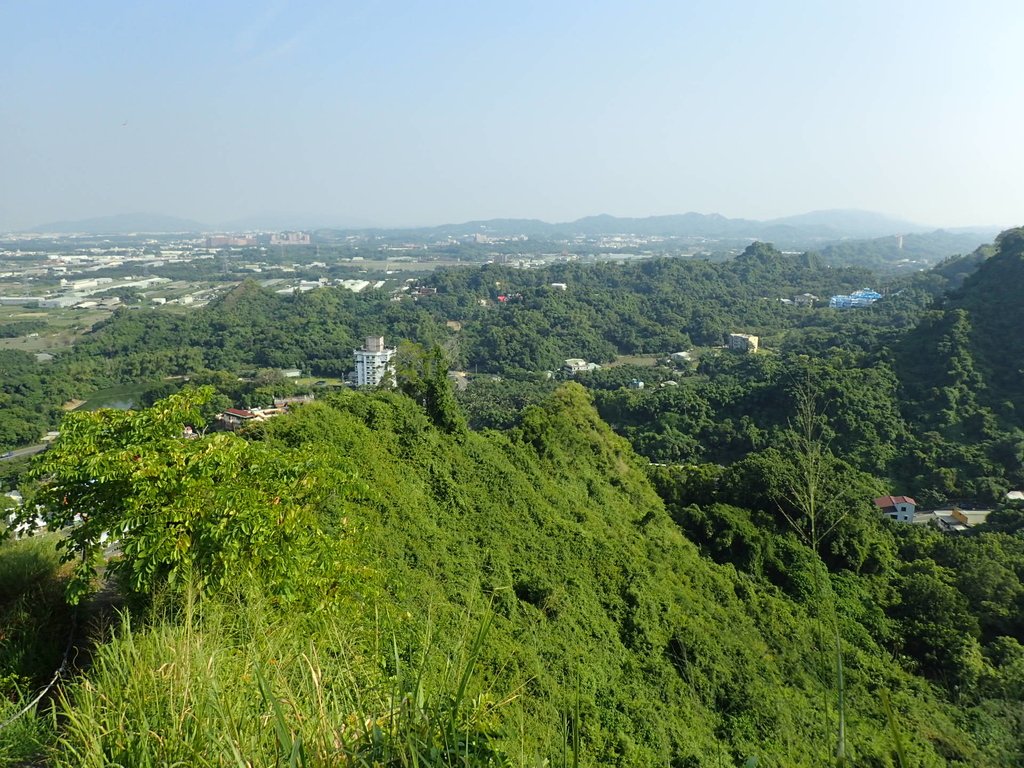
862 298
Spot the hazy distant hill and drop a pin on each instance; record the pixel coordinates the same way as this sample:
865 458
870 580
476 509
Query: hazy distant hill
813 230
892 249
804 231
532 227
956 269
122 223
679 225
834 224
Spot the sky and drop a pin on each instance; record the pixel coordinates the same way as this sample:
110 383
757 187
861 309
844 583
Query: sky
418 113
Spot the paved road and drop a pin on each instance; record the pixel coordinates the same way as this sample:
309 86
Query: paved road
19 452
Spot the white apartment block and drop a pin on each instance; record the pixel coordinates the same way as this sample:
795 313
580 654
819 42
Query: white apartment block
373 362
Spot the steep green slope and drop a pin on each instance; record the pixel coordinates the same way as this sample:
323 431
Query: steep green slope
973 338
596 593
611 638
991 299
961 384
902 252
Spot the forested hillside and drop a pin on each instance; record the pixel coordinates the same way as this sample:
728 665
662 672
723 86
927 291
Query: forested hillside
908 251
657 305
504 598
661 306
959 371
925 410
991 299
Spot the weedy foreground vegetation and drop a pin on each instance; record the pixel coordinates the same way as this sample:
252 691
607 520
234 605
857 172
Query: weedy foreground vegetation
461 598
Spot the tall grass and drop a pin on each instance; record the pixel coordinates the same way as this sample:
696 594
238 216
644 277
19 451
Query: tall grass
26 737
34 626
240 684
34 617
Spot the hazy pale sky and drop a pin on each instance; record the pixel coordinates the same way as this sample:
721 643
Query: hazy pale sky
429 112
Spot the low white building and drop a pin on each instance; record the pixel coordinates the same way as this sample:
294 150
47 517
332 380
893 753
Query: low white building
954 520
900 508
743 342
59 302
575 365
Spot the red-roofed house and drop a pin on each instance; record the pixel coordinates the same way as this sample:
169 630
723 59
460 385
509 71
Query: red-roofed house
897 507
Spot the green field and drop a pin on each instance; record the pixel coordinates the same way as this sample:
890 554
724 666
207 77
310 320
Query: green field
64 327
644 361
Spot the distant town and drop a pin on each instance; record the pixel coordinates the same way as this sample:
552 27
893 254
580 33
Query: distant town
96 273
75 280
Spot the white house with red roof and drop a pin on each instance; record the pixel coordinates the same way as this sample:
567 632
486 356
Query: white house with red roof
899 508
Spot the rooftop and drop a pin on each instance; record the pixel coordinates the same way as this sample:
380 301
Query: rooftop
891 501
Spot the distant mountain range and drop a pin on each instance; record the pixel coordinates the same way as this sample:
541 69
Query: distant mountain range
804 230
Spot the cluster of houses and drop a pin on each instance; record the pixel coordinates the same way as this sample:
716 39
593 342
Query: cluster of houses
803 300
903 509
236 418
374 366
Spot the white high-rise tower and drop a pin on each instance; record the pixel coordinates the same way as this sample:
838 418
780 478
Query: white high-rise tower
373 362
